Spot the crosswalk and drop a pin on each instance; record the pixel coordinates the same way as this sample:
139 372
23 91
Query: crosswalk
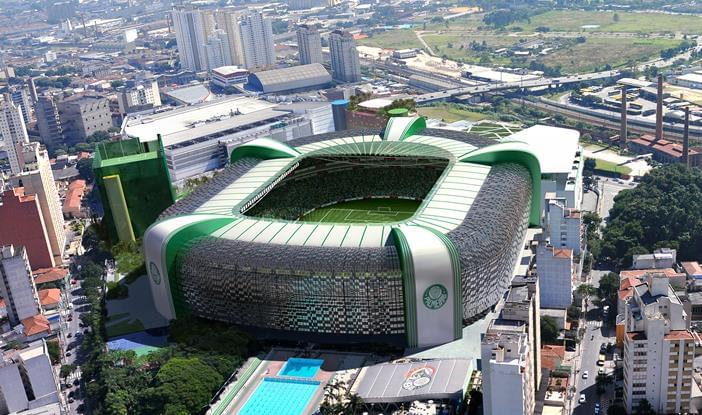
595 324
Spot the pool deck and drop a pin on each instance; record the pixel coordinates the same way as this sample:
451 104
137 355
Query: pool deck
274 362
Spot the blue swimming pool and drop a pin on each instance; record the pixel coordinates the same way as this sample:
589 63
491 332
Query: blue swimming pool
280 397
301 368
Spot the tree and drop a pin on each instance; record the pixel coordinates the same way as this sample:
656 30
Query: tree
644 408
66 371
54 352
616 410
589 166
586 290
549 330
615 17
609 287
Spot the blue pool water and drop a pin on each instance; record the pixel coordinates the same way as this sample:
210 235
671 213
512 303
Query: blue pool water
301 368
280 397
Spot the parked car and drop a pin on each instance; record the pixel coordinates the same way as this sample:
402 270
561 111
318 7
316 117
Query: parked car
582 398
585 374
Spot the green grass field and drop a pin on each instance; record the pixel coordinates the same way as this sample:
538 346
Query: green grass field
574 20
364 211
609 166
393 39
449 113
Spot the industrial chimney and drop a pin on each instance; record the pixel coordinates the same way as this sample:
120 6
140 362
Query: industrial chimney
623 128
686 139
659 109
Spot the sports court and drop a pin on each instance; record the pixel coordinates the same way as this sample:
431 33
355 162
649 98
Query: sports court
364 211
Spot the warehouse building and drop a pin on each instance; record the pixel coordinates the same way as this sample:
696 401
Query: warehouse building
292 79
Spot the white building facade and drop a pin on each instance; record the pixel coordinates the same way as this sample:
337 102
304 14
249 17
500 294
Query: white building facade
17 285
309 45
659 350
346 66
13 133
563 224
257 40
508 381
555 271
193 28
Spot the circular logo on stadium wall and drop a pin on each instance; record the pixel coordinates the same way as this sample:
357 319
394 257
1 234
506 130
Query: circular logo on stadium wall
155 274
435 297
417 378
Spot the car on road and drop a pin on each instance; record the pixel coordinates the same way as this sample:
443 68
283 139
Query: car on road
71 400
68 354
600 371
69 335
78 333
582 398
585 374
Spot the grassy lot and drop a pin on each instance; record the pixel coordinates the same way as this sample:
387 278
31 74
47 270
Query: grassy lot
393 39
364 211
609 166
124 327
573 20
601 51
449 113
460 46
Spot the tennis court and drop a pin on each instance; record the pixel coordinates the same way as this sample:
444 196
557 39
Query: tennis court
364 211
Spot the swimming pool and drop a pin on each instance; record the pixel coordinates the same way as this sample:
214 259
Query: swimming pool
280 397
301 368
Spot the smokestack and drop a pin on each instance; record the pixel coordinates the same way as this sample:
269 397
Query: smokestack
659 109
33 90
686 138
622 128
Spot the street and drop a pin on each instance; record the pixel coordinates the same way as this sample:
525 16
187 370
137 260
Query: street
596 334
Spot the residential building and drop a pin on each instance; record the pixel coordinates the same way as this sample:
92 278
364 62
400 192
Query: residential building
223 124
563 225
508 379
72 203
193 28
13 133
257 40
36 327
49 298
37 179
48 121
658 348
28 382
228 76
346 66
554 267
21 97
523 304
134 186
22 223
309 45
229 22
660 258
17 285
81 116
138 96
217 50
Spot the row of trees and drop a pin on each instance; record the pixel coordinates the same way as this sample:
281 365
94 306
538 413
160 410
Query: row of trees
665 210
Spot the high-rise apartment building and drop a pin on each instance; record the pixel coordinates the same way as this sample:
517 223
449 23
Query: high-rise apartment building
48 121
21 97
134 185
309 45
506 361
217 50
82 116
257 40
659 350
563 225
13 133
37 179
555 271
16 284
229 22
22 223
28 382
193 28
346 66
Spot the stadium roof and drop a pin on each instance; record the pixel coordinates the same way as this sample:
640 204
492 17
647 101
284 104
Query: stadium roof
555 147
290 79
403 382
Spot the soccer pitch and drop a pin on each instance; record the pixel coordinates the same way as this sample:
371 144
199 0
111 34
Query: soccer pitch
364 211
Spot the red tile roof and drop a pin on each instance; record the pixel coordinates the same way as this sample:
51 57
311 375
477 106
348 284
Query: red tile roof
2 303
35 325
49 296
679 335
44 275
662 145
638 273
636 335
692 267
562 252
552 356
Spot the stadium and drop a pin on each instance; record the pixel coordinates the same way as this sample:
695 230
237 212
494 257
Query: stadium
402 235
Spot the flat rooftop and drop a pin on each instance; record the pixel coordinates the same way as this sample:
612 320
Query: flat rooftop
179 125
